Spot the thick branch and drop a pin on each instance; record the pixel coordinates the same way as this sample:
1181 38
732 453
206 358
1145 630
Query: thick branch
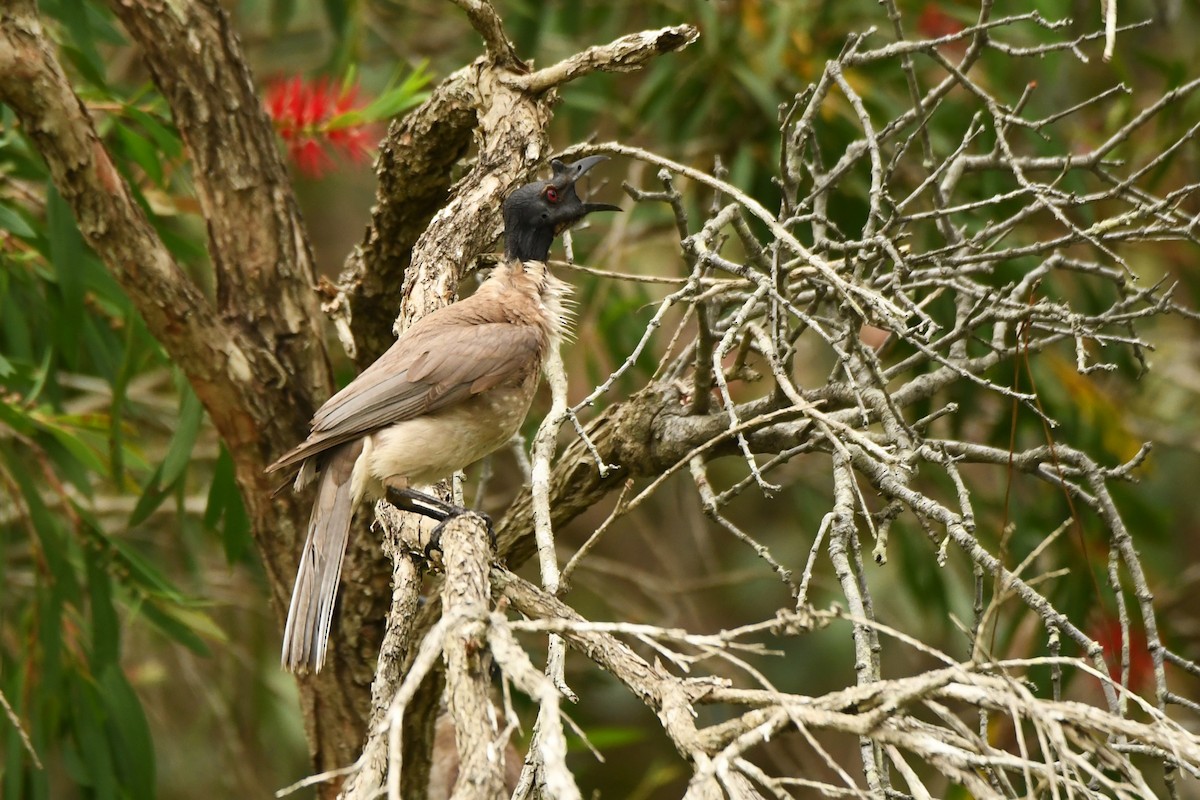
33 84
257 243
414 178
466 597
487 22
414 181
265 281
257 375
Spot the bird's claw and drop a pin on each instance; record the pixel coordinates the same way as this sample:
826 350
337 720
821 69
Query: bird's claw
435 536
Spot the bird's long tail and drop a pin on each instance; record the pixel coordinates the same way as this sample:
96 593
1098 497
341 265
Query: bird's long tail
307 631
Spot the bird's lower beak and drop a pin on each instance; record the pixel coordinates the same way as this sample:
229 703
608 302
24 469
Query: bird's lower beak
573 172
577 170
590 207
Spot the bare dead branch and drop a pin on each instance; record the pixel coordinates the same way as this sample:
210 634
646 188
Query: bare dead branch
623 55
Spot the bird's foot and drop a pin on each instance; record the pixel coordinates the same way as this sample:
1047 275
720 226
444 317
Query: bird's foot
435 536
436 509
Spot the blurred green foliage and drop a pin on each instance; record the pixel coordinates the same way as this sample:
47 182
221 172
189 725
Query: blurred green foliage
74 433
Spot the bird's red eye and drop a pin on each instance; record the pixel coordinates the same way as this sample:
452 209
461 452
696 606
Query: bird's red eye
552 194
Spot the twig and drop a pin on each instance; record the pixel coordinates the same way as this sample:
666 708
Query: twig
623 55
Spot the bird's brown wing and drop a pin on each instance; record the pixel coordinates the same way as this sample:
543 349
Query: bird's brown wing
436 364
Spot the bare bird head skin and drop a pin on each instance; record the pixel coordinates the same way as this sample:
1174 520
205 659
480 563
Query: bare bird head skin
540 211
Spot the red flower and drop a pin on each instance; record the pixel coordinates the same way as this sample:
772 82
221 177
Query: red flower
1107 632
307 116
356 143
935 23
310 157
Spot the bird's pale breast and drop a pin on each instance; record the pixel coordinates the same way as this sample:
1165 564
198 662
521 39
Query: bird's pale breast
427 449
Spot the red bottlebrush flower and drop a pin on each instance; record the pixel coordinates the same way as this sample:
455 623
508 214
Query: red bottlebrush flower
307 116
935 23
310 157
1107 632
347 99
355 143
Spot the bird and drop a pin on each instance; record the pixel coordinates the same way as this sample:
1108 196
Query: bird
455 386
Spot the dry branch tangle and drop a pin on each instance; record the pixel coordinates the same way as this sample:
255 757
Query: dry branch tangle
929 235
881 711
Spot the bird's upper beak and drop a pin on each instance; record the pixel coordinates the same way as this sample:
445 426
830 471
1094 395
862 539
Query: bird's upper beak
568 174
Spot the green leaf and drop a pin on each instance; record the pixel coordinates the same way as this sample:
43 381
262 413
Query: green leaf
42 376
85 454
152 497
164 136
47 526
760 88
179 452
106 631
135 334
611 736
50 604
237 539
225 502
142 574
66 254
74 15
389 103
338 14
142 152
177 630
22 685
14 223
162 603
15 758
93 741
133 746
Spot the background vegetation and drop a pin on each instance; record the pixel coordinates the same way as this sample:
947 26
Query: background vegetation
138 649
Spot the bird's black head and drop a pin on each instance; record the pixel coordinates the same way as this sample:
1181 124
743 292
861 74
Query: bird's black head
539 211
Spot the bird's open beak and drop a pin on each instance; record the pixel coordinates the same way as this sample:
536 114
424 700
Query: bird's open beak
576 170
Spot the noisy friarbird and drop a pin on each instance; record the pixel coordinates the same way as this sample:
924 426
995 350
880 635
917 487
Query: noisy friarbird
454 387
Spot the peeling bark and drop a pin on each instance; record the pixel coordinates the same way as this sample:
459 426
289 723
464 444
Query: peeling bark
414 167
256 356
